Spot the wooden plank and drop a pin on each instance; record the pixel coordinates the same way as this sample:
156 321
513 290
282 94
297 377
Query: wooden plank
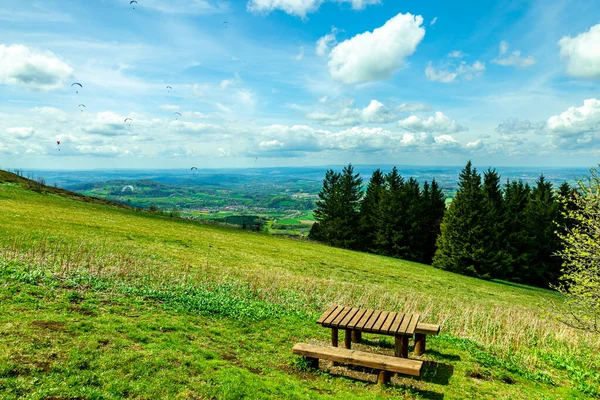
377 326
326 314
388 322
402 329
357 318
427 329
413 324
372 320
360 358
340 316
344 322
331 317
394 328
363 320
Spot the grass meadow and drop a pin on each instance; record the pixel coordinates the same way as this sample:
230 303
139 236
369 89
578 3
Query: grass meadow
99 301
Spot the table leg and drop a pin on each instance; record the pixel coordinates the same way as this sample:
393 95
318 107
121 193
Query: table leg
420 344
356 336
348 339
401 346
334 337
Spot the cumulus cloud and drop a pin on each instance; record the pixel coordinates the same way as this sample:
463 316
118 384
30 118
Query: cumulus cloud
375 112
300 8
577 121
31 68
515 126
451 73
582 53
513 59
108 123
21 132
438 123
456 54
433 21
414 107
300 54
373 56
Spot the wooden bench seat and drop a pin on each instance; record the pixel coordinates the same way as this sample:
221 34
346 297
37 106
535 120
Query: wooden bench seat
386 365
421 333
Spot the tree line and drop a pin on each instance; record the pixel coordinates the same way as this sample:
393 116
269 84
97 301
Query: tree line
490 230
393 217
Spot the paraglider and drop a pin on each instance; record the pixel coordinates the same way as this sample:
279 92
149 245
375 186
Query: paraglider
76 84
169 88
177 113
225 23
127 187
128 119
133 2
58 144
81 105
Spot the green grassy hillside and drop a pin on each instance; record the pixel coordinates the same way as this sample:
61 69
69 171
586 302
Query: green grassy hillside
102 301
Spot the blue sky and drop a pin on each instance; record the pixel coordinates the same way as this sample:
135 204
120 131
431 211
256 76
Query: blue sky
298 82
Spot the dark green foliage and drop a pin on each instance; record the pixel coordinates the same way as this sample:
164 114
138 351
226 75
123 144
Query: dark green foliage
461 245
396 218
337 210
541 213
510 234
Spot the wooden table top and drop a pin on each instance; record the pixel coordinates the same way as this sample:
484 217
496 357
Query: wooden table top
372 321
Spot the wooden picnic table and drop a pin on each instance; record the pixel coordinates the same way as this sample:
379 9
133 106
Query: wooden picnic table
357 320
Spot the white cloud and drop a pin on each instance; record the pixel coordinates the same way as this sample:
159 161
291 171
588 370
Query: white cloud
515 126
223 108
300 54
475 145
415 107
582 53
109 124
300 8
375 112
323 100
451 73
246 97
225 83
513 59
21 132
577 121
373 56
324 43
433 21
188 7
169 107
32 68
456 54
437 123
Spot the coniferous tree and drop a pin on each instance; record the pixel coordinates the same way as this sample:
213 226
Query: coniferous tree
326 210
432 212
541 266
516 198
413 235
350 197
370 210
459 246
492 229
389 235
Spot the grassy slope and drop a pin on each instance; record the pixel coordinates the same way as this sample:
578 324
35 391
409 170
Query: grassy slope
506 338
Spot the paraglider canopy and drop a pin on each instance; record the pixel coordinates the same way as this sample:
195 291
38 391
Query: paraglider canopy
127 187
128 119
58 142
193 168
76 84
169 87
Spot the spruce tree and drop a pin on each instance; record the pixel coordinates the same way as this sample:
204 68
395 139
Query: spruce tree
350 198
370 210
515 243
432 212
389 232
326 210
459 246
492 225
541 266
